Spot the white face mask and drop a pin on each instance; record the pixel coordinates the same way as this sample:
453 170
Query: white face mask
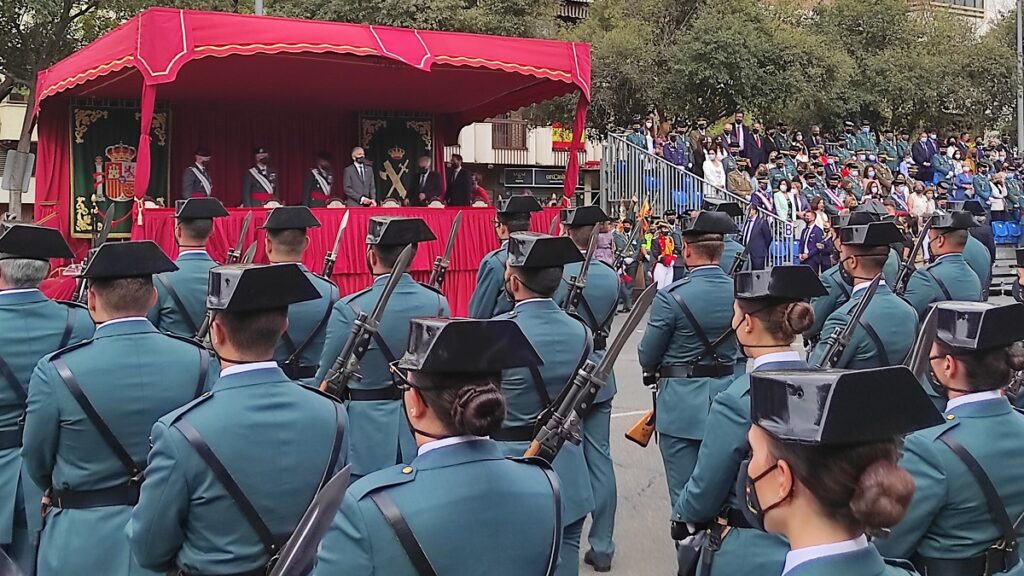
782 188
649 124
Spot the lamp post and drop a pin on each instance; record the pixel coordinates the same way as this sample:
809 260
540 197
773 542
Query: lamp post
1020 77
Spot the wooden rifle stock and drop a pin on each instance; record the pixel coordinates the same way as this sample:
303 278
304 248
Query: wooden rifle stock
641 432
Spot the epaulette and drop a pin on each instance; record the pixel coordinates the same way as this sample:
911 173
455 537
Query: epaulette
681 282
355 295
67 349
431 288
175 415
950 421
71 304
184 339
323 279
330 397
393 476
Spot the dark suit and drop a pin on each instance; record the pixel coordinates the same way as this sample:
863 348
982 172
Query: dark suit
192 185
922 153
756 150
429 185
741 135
814 141
812 243
757 234
460 187
358 186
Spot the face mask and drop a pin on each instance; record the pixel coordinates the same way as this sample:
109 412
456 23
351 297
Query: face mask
648 124
871 173
799 138
755 131
854 172
745 486
865 130
933 136
783 188
673 137
924 139
847 278
637 129
360 160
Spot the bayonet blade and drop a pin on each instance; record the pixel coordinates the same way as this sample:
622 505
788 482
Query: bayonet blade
632 321
234 255
299 553
553 227
250 253
451 238
108 221
341 232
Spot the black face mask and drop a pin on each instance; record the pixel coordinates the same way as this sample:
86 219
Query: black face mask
752 511
755 130
359 160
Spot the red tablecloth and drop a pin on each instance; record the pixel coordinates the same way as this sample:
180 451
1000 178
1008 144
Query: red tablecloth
476 238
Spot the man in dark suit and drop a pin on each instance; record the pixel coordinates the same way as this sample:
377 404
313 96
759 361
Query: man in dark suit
196 181
756 149
816 138
358 181
740 133
921 152
757 234
428 184
460 184
812 244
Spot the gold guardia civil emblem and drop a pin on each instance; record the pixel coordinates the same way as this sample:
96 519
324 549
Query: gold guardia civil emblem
394 169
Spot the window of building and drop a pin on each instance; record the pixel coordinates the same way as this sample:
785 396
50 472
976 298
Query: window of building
972 4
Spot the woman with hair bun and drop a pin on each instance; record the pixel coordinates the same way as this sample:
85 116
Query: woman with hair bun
968 469
769 312
460 507
823 468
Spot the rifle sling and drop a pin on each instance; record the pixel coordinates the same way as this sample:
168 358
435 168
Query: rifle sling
189 322
406 538
709 347
295 352
941 284
873 335
12 381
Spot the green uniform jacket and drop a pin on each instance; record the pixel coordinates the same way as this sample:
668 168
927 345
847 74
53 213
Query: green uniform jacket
902 148
867 142
948 517
132 375
379 431
732 249
893 321
979 259
850 138
489 299
776 175
670 340
863 562
472 510
837 294
274 438
960 282
304 322
190 283
892 150
563 343
856 188
891 269
597 308
982 187
942 165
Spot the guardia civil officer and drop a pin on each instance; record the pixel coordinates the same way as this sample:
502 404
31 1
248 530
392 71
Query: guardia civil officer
948 277
181 295
91 407
732 248
380 433
33 327
534 269
688 348
824 474
230 474
769 313
196 181
318 182
597 308
259 185
886 331
967 469
469 509
298 353
489 298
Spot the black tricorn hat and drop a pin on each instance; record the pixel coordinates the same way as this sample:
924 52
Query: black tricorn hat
127 260
979 325
874 234
1019 253
206 208
724 206
202 151
397 231
958 220
944 184
974 207
837 407
583 216
873 207
788 282
710 223
955 205
519 204
854 219
29 242
251 287
848 123
290 218
463 345
259 150
536 250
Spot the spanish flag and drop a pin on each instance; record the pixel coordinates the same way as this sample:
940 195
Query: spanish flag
642 215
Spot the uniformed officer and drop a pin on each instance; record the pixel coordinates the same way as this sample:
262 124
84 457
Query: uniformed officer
380 433
33 327
778 172
533 272
732 248
982 185
196 180
967 469
738 181
688 348
948 277
298 353
597 308
316 186
976 254
489 298
181 295
260 183
888 327
782 139
468 508
824 474
849 136
866 140
837 290
903 144
769 313
231 474
888 146
91 407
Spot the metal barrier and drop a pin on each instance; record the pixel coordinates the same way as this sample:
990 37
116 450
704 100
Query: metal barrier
628 171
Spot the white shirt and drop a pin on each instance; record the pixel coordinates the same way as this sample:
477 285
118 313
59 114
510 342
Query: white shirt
521 302
249 367
192 251
19 291
450 441
797 557
860 286
973 397
937 258
791 356
119 320
692 270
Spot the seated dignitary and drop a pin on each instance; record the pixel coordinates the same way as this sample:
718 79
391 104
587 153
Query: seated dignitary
181 295
769 313
230 474
948 277
302 343
380 434
468 508
534 271
91 407
489 297
33 326
822 473
968 497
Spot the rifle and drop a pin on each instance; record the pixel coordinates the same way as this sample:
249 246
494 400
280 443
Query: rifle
839 339
235 254
621 255
576 399
740 261
907 266
578 282
441 262
97 241
299 552
250 253
365 326
553 227
202 336
328 268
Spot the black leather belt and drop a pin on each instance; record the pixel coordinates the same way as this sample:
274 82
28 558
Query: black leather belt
390 393
734 518
600 342
524 433
993 561
699 371
10 439
124 495
298 371
261 571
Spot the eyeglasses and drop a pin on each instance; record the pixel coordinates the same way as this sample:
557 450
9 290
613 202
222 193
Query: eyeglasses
400 377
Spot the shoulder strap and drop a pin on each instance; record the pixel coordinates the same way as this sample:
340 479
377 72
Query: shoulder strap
942 285
12 381
297 351
133 468
709 348
406 538
556 493
69 325
873 336
995 505
339 434
384 348
189 322
538 384
204 367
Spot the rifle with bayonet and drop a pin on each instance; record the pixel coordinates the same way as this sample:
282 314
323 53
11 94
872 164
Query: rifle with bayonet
839 339
299 552
328 268
907 266
621 255
739 262
578 282
97 241
203 335
344 369
235 254
564 422
441 263
553 226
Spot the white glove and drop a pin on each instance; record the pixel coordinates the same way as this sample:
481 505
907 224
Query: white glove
629 261
695 541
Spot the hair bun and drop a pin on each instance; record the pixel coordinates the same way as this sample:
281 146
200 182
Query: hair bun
1015 357
478 410
799 317
882 495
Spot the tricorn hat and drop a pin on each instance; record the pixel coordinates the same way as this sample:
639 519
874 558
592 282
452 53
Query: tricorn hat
957 220
199 208
127 260
519 204
710 223
397 231
979 325
536 250
25 241
467 346
874 234
251 287
583 216
788 282
291 218
726 207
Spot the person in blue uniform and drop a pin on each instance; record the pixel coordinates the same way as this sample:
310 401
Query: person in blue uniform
825 474
489 299
380 434
213 501
948 277
769 313
181 295
470 509
955 523
534 269
888 327
34 326
90 410
688 350
298 353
